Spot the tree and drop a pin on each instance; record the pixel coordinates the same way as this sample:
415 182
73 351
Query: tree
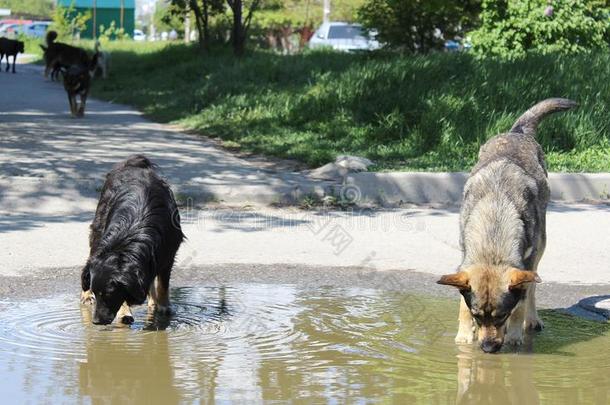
168 17
29 8
512 28
418 26
202 10
240 25
68 23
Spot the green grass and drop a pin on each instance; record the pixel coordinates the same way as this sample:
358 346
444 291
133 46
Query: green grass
404 112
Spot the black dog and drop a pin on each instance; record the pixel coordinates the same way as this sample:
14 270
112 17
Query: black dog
58 55
77 81
134 239
10 47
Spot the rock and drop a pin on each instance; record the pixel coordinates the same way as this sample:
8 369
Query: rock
343 165
353 163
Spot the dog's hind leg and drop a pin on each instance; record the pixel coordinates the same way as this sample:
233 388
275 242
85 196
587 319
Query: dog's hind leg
152 296
466 328
83 102
73 106
124 315
532 320
158 296
162 285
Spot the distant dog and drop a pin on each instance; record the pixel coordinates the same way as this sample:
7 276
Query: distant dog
57 55
77 82
102 60
503 234
134 239
10 47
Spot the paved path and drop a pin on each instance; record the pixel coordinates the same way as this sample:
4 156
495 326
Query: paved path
50 162
417 239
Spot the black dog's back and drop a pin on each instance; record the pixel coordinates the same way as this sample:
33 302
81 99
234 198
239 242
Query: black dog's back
134 189
58 55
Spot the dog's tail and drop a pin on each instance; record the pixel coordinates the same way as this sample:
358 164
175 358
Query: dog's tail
51 37
528 122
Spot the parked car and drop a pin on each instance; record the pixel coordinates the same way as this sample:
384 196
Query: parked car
11 30
343 36
138 35
457 45
452 46
13 21
37 29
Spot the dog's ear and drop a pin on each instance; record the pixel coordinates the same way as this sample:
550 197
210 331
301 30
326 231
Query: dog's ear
461 280
134 283
518 278
44 48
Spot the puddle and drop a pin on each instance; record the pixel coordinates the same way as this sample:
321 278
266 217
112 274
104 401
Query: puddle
264 343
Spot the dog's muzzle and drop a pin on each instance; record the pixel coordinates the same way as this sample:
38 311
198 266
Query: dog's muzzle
102 316
491 345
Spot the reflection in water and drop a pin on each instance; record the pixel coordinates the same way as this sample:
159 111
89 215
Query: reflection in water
485 379
121 366
264 343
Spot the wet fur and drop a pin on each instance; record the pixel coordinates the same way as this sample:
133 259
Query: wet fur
10 47
134 239
503 234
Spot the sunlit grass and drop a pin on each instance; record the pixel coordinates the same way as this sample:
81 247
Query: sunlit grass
404 112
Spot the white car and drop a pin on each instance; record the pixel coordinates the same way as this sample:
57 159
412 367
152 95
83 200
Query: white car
342 36
138 35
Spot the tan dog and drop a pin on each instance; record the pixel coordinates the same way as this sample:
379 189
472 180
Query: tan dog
503 234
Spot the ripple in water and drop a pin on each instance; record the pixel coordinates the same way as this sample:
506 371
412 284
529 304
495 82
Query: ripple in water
256 342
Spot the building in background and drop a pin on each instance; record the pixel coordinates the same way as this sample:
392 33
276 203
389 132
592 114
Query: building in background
104 12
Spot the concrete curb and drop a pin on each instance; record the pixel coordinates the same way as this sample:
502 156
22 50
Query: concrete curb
365 189
446 188
286 194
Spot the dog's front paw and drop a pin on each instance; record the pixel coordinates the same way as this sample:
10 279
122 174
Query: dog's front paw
464 338
87 297
534 324
127 319
514 338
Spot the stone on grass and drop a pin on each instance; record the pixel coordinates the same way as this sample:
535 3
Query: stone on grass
341 167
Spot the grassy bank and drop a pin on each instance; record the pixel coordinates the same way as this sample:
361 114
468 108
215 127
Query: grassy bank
405 113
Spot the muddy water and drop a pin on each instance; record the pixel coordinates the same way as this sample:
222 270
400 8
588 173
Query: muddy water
265 343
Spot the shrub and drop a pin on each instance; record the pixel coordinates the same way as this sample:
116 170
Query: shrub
512 28
418 26
68 23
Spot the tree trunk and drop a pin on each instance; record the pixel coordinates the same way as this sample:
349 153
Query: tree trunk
199 22
206 25
187 26
238 28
